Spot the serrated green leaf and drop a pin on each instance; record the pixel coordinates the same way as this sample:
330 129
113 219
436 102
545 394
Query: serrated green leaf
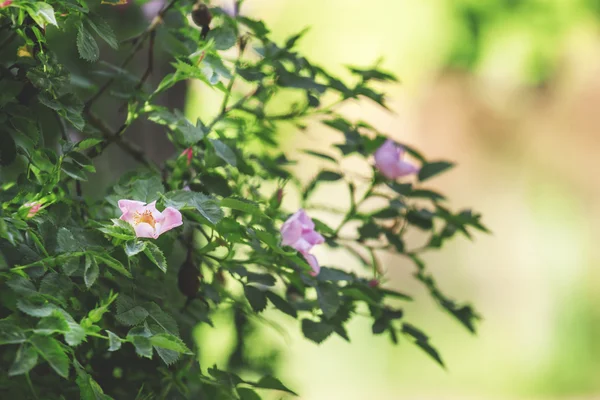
91 271
89 389
170 342
329 301
10 333
129 312
207 207
114 341
52 324
281 304
155 255
140 339
104 30
25 360
162 320
247 394
51 351
112 263
66 241
224 37
42 13
22 286
224 152
256 298
421 340
73 171
243 205
86 45
35 307
134 247
316 331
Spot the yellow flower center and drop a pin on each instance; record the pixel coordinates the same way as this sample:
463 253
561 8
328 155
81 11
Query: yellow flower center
146 217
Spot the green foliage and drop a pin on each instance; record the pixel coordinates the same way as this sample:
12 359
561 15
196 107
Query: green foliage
92 309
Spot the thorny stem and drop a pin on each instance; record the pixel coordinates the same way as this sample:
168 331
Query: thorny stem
353 209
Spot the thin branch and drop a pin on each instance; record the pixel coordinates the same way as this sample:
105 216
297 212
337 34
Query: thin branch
139 41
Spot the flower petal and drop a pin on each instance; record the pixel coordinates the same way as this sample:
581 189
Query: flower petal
291 231
171 219
314 264
303 217
144 230
313 237
129 208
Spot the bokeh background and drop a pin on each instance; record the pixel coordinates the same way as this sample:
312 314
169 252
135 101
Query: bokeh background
509 90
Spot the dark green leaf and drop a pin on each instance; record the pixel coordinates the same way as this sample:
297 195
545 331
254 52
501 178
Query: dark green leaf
25 360
432 169
281 304
224 37
10 333
66 241
86 45
52 324
91 271
316 331
247 394
170 342
329 300
421 340
207 207
256 298
51 351
270 382
128 312
224 152
104 31
112 263
89 389
134 247
155 255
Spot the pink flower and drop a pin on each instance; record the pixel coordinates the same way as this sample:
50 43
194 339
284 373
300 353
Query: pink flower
388 160
189 153
34 207
299 232
5 3
146 220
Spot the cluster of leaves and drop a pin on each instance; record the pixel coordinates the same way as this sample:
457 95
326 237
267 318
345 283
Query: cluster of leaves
89 310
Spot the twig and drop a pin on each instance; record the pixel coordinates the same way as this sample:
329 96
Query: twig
150 66
149 32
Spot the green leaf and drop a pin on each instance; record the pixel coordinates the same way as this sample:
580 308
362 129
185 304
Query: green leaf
269 382
207 207
51 351
128 312
422 219
316 331
112 263
91 271
256 298
147 190
73 171
87 143
25 360
10 333
52 324
224 152
42 13
134 247
320 155
104 31
189 134
162 320
114 341
89 389
155 255
76 333
334 275
281 304
66 241
243 205
170 342
35 307
329 176
22 286
247 394
432 169
140 338
421 340
86 45
224 37
83 161
329 301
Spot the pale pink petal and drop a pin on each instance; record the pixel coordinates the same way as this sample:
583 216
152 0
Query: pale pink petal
171 219
129 208
302 245
313 237
291 231
405 168
307 223
314 264
144 230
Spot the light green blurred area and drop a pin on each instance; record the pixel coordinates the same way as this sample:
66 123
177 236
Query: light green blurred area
509 90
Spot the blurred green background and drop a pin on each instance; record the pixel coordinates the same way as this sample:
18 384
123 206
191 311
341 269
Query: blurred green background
509 90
